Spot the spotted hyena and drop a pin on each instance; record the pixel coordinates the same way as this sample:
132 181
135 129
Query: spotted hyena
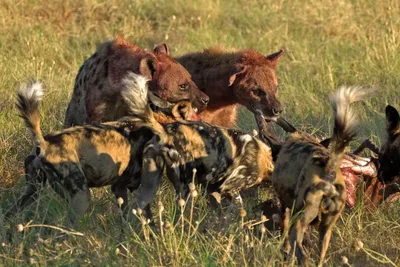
78 158
307 176
246 77
96 96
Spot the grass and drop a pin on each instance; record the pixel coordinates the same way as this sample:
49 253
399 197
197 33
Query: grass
327 44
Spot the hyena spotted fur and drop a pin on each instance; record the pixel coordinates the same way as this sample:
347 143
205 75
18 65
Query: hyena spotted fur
226 159
307 176
97 92
81 157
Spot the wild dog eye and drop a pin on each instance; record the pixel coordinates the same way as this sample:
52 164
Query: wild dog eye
184 87
259 92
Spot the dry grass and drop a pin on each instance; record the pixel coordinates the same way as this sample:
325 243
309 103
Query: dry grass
327 44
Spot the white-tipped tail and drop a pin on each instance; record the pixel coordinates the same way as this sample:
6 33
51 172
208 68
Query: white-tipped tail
341 101
345 119
29 96
135 93
32 91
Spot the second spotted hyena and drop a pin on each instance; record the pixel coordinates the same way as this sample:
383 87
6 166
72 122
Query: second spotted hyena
96 96
230 79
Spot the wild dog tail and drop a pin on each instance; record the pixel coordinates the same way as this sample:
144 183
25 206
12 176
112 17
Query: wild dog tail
29 96
135 94
345 120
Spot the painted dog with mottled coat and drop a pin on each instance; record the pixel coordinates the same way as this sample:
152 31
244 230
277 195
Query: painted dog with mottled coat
307 176
81 157
226 159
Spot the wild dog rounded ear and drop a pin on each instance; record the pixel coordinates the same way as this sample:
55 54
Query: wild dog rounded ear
274 58
392 118
239 69
326 142
147 67
161 48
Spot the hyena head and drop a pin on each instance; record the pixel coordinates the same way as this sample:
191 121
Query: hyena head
255 83
168 79
389 155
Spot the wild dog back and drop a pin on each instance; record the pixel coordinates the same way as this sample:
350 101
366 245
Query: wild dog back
228 161
232 157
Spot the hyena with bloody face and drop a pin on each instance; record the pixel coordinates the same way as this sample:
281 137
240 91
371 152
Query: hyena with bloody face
232 78
96 96
81 157
225 159
307 176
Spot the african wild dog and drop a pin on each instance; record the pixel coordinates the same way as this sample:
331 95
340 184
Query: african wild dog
81 157
96 96
231 78
388 185
389 154
307 175
226 159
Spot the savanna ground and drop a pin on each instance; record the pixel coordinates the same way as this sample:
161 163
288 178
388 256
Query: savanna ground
327 44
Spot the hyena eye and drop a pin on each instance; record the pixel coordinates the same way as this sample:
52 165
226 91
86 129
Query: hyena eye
184 87
259 93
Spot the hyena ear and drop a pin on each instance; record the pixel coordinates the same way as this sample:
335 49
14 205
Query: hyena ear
161 48
274 58
392 118
148 67
239 69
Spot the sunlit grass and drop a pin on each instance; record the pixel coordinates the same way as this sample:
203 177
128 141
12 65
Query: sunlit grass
327 44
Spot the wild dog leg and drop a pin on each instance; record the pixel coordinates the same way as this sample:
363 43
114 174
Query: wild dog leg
296 235
32 186
304 216
74 190
325 232
79 204
366 144
153 166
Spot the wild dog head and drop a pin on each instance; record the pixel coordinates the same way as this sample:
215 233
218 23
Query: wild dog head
255 83
389 155
168 79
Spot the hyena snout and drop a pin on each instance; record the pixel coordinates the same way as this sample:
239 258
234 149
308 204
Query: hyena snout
277 110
